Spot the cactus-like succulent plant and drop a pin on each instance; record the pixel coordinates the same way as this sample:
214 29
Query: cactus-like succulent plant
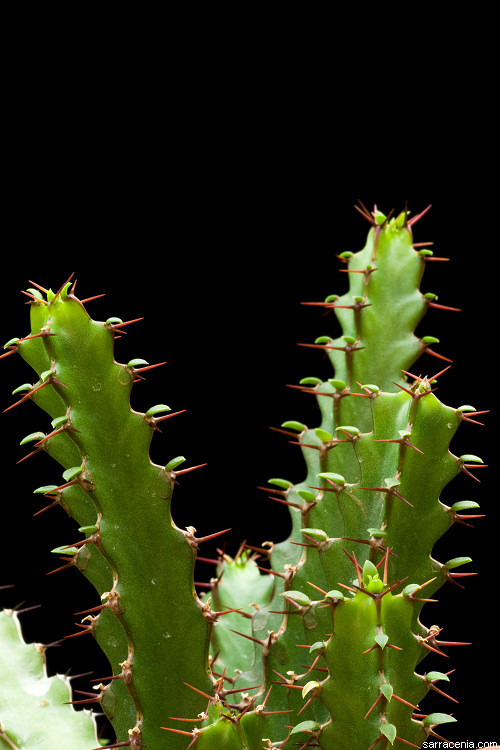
314 641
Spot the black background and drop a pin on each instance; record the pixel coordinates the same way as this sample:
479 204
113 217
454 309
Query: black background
214 217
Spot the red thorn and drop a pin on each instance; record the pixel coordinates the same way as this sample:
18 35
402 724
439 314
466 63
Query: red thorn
444 307
89 299
37 450
127 323
201 539
365 214
63 285
63 567
40 301
168 416
272 572
250 638
286 502
82 632
185 471
439 356
41 288
306 705
47 507
317 589
177 718
208 560
401 700
205 695
352 558
373 706
419 216
92 609
149 367
407 742
8 353
177 731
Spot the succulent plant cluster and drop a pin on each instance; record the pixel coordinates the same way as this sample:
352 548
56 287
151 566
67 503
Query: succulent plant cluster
315 641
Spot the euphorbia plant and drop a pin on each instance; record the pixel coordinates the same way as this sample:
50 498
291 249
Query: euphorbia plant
316 640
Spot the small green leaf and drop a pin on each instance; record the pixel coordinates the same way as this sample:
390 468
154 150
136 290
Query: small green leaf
455 562
71 473
386 690
430 296
31 438
293 425
466 407
389 731
318 646
371 387
471 457
309 497
323 340
64 290
337 478
334 594
339 385
377 533
323 435
11 342
158 409
45 490
332 298
425 252
429 340
380 217
306 726
318 534
358 299
464 505
58 422
113 321
65 550
369 570
392 482
284 483
381 639
35 293
311 685
310 381
137 363
348 428
44 376
375 585
436 676
22 388
410 589
174 463
433 719
88 529
298 596
350 340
